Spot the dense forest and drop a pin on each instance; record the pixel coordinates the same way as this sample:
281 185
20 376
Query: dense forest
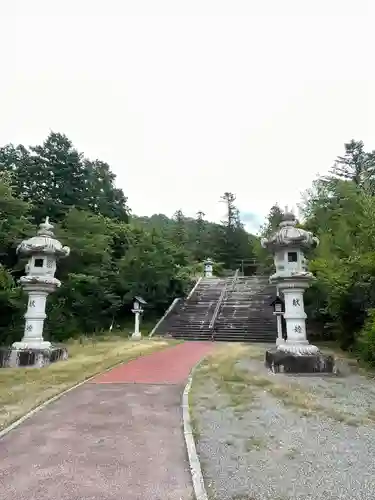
116 254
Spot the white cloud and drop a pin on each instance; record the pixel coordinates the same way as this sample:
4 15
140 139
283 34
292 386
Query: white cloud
187 100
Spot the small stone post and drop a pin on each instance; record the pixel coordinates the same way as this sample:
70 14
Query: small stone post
43 251
208 268
292 279
279 339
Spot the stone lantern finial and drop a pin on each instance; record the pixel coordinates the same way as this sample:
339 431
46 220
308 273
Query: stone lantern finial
45 228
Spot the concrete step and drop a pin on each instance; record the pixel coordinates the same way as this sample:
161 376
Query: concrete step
244 315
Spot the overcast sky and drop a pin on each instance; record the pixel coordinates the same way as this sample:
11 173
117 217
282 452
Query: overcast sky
188 99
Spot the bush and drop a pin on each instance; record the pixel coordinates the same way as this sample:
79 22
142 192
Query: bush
366 339
12 307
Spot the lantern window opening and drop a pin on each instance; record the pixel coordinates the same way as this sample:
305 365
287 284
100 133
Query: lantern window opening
38 262
292 257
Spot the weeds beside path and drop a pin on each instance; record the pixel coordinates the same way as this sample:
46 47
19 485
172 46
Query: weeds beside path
22 389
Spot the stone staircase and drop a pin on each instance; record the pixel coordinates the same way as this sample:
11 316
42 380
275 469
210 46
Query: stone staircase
245 314
191 318
230 309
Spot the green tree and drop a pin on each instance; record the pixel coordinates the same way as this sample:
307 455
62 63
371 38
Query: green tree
234 244
274 217
14 226
54 177
262 255
179 230
340 211
356 165
200 240
12 306
14 222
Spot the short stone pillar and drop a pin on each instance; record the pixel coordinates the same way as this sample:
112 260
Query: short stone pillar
137 310
42 251
292 279
278 311
208 268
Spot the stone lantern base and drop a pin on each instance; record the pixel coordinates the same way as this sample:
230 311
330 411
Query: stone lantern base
279 361
36 357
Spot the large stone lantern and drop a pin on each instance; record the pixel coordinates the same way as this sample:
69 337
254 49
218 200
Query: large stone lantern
42 251
292 278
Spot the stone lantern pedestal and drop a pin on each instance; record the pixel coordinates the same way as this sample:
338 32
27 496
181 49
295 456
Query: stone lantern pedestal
295 317
35 314
43 251
296 354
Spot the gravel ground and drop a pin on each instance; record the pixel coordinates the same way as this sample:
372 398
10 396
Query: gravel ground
280 437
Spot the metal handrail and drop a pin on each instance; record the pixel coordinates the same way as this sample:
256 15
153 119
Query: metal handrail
221 298
167 312
216 311
194 288
173 305
233 284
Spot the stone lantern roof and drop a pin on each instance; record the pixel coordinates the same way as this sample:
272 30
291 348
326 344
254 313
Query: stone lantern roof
44 242
288 235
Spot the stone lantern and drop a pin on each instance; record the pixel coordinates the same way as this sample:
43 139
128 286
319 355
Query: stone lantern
208 268
292 278
138 302
278 311
42 250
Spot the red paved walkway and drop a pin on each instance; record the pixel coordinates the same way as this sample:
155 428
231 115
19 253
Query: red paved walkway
171 366
103 441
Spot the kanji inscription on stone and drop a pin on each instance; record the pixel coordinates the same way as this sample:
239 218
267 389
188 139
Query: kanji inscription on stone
32 303
298 329
29 328
296 302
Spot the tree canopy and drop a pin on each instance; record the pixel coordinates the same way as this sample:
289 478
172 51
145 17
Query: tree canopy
340 210
55 176
114 255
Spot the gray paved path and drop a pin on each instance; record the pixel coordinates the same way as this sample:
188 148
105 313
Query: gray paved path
119 437
100 442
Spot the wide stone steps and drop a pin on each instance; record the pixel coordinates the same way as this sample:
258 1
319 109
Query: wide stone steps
244 315
192 318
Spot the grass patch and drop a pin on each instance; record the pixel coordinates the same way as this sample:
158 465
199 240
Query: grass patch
242 497
254 443
194 427
292 453
22 389
241 386
351 358
371 415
